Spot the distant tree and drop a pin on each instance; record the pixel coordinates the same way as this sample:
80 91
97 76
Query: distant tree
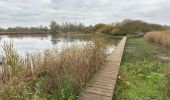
107 29
66 27
54 27
88 29
26 29
2 29
99 26
136 27
125 27
43 28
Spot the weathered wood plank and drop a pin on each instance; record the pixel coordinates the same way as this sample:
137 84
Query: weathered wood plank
101 86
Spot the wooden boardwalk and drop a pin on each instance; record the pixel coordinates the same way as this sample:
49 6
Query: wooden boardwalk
101 86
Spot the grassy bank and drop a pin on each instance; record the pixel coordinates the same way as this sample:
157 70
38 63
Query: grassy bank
143 74
52 75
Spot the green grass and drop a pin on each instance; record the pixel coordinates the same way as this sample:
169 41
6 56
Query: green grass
142 75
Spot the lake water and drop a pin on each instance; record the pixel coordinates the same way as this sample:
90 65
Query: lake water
34 43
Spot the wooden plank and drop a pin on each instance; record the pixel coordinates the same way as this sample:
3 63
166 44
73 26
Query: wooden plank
101 86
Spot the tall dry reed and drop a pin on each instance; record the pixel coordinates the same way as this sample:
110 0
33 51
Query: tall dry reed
160 37
51 75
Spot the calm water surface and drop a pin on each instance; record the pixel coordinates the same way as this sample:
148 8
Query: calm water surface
34 43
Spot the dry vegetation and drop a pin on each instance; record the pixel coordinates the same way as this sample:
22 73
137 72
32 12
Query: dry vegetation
160 37
52 76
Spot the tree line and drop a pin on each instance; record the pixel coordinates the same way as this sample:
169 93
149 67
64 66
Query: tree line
125 27
66 27
25 29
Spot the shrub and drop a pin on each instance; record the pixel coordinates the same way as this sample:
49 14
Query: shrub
159 37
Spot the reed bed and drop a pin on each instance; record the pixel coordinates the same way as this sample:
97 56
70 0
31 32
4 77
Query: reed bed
53 75
160 37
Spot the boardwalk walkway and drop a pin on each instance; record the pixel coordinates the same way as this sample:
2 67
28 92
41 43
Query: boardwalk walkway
101 86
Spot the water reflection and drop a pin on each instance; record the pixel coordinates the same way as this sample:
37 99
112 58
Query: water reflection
37 42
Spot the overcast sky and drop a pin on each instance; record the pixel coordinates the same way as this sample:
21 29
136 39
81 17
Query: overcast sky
36 12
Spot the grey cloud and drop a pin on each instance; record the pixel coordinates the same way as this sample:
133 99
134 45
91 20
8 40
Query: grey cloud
36 12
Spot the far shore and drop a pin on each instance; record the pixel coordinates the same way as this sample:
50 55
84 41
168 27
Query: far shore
15 33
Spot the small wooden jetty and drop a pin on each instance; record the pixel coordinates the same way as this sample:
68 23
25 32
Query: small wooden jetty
101 86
